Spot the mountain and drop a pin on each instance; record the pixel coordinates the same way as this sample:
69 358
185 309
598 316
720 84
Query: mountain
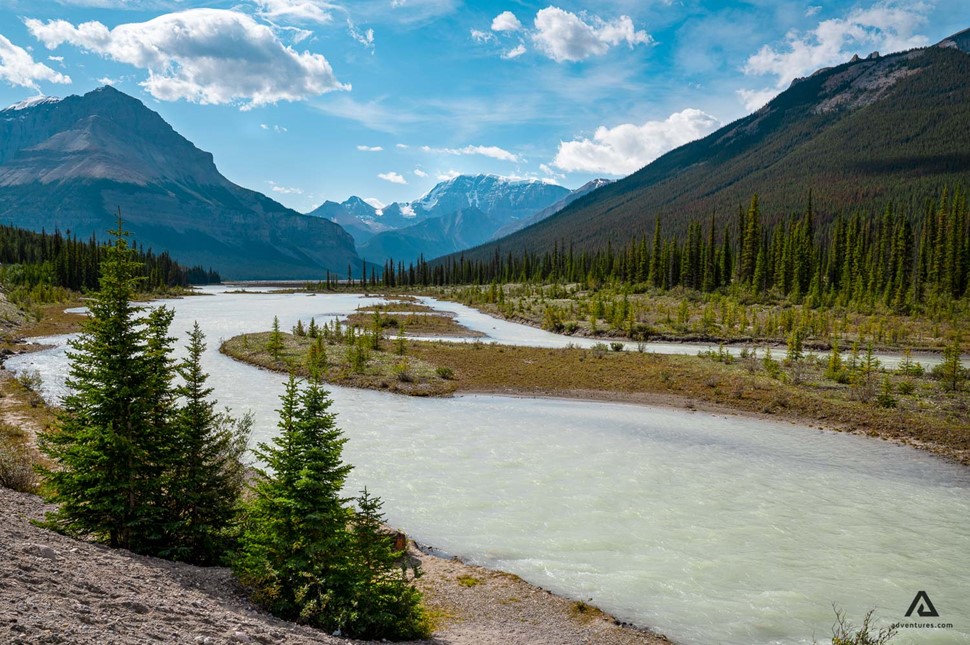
548 211
71 164
486 203
432 237
859 134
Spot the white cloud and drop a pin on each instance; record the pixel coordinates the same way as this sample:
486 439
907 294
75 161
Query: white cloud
284 190
494 152
18 67
370 148
420 173
515 52
305 11
448 174
56 59
392 177
365 38
628 147
506 21
884 26
402 146
756 99
811 11
480 36
376 203
278 129
208 56
564 36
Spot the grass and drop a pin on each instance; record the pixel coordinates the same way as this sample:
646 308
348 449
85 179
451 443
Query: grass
415 324
469 581
584 613
381 370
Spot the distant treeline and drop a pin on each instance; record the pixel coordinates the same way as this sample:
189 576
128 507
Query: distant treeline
897 257
37 260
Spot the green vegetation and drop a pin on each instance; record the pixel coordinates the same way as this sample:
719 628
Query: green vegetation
42 268
305 554
844 633
141 463
351 356
122 441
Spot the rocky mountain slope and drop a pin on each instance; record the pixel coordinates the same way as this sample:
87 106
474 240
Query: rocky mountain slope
71 164
870 130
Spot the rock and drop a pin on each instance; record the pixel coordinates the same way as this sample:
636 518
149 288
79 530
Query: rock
855 58
41 551
873 56
240 637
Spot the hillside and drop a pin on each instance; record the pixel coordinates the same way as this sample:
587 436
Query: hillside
859 134
71 164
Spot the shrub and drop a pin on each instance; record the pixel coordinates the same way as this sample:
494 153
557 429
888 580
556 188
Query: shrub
445 372
617 347
17 466
600 349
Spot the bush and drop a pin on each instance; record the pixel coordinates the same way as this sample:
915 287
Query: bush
402 371
600 349
843 633
617 347
17 466
445 372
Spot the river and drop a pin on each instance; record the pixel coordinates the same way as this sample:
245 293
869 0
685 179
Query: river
711 529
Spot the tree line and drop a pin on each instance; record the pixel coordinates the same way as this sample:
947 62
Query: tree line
32 259
140 459
900 257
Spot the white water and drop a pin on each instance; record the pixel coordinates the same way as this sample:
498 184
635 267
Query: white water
707 528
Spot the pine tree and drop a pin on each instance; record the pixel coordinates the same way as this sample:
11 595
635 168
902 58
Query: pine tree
106 446
275 343
299 555
207 473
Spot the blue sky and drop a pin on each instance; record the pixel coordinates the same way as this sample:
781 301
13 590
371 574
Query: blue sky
307 100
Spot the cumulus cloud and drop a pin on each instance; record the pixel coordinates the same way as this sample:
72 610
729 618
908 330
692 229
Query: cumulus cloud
448 174
18 67
493 152
515 52
628 147
392 177
370 148
564 36
506 21
884 26
420 173
209 56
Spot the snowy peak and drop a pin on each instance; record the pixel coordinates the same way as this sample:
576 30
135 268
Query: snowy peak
33 101
501 198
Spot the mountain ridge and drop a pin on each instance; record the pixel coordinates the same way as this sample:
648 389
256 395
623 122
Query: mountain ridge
886 127
71 164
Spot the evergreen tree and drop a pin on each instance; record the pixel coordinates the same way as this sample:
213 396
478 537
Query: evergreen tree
275 343
207 473
300 556
106 446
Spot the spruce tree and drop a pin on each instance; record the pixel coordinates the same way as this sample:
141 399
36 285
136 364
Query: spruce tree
207 474
303 555
106 446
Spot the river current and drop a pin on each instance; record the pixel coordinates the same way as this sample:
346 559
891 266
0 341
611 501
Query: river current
709 528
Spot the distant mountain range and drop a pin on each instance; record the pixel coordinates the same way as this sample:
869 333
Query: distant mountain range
456 214
871 130
71 164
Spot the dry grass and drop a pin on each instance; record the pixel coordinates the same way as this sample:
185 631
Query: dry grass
400 305
383 370
415 324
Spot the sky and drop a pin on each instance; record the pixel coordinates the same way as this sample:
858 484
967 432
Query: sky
309 100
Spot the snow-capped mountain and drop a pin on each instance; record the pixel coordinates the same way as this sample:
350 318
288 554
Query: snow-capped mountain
457 213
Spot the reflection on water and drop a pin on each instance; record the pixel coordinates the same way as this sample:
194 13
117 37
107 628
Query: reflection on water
708 528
